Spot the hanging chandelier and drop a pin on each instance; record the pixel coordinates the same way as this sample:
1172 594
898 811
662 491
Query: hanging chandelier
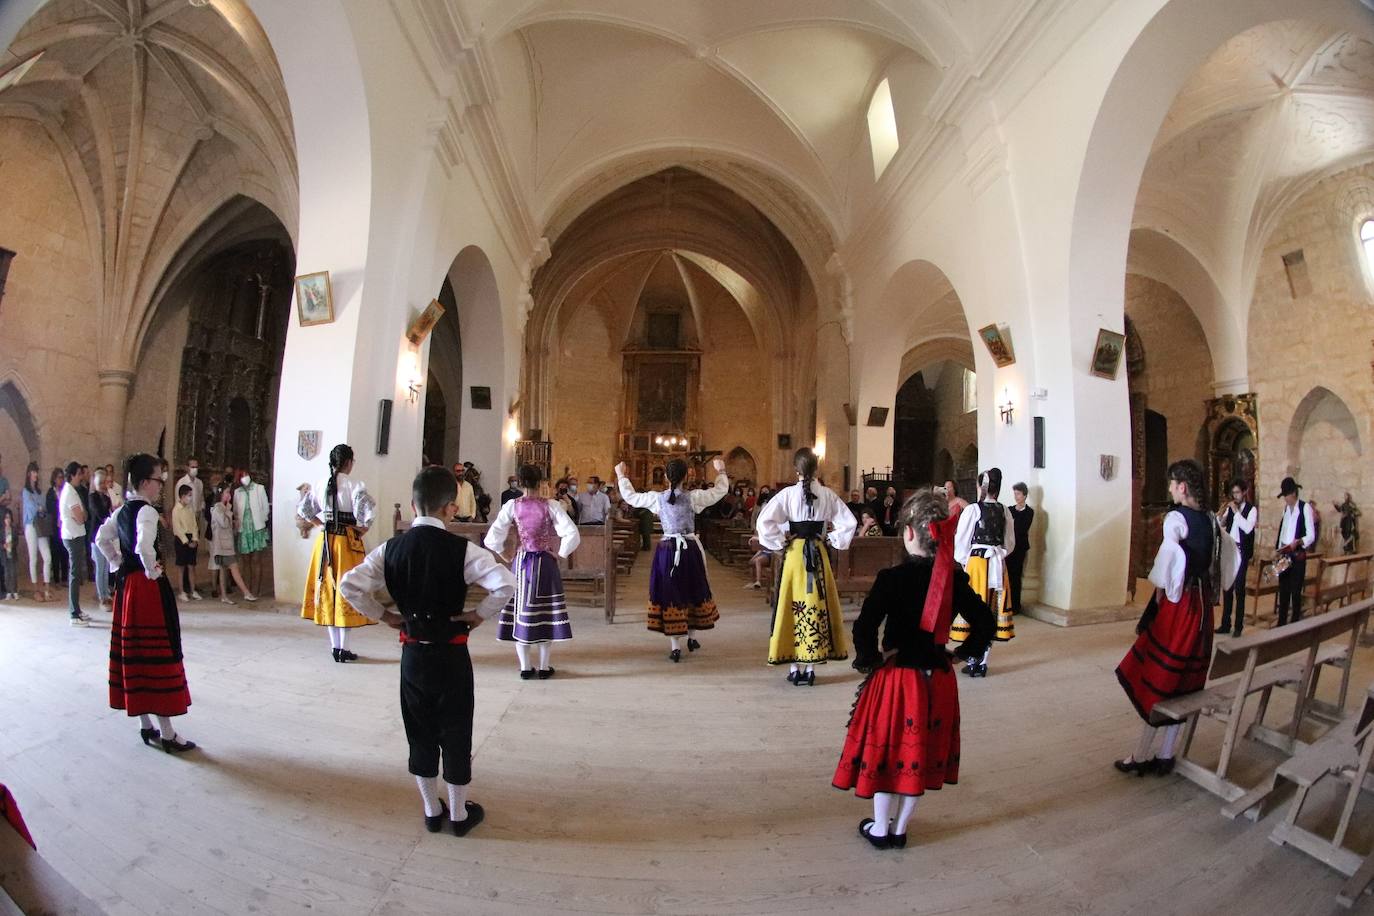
672 442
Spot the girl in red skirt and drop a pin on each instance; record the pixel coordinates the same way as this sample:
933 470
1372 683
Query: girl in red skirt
146 674
904 731
1174 646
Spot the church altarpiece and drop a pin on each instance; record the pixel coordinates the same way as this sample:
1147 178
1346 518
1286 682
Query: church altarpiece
662 390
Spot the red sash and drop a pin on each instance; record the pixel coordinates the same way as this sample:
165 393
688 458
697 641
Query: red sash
939 608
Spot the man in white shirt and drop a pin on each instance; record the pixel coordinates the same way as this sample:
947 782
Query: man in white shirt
1238 519
593 506
72 523
192 479
467 497
1297 534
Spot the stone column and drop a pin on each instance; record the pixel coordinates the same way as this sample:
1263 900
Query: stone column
114 409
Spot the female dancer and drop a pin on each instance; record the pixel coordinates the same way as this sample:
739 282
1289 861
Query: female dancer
904 731
346 515
1170 656
538 614
807 627
147 677
680 600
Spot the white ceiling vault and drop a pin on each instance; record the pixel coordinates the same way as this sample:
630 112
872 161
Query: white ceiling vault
1269 114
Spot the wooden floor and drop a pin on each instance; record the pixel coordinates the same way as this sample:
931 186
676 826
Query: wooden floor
625 785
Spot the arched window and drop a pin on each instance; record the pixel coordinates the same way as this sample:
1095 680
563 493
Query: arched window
1367 244
882 128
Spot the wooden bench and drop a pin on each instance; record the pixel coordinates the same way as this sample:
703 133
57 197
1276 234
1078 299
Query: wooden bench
1344 754
1342 580
1289 657
592 566
1260 583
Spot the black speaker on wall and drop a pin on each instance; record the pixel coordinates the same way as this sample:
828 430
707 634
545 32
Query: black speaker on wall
1039 437
383 426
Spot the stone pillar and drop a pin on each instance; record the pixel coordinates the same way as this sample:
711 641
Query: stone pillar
114 409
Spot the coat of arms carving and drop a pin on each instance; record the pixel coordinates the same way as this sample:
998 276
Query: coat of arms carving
308 443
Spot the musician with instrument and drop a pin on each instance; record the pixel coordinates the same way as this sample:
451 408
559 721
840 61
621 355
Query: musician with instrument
1297 534
1238 519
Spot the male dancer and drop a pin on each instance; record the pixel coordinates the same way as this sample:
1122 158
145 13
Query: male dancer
427 571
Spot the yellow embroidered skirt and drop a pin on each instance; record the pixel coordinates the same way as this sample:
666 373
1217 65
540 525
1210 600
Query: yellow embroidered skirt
807 629
977 570
323 603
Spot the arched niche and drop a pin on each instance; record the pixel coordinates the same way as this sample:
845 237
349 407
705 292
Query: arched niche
480 342
1325 447
19 439
741 467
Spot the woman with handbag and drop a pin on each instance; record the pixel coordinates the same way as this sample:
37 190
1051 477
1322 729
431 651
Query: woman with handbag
1173 650
37 533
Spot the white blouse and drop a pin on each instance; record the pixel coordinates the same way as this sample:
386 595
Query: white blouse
789 505
352 497
145 540
700 499
1171 562
562 523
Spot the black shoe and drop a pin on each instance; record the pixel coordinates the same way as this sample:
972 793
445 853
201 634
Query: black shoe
436 823
150 736
347 656
1162 766
675 655
1223 629
979 671
336 656
792 676
475 816
970 666
545 673
1237 632
865 828
1138 767
177 746
809 680
526 674
692 645
895 840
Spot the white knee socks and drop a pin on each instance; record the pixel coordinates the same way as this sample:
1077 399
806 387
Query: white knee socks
882 812
335 637
164 725
457 802
675 640
145 721
429 794
544 649
1147 738
522 652
904 814
1170 736
794 669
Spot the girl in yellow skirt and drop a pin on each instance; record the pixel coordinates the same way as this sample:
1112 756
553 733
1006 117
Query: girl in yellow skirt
345 516
807 627
986 535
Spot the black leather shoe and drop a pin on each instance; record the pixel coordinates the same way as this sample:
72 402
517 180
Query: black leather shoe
693 645
809 680
675 655
895 840
346 656
1138 767
970 666
979 671
336 656
792 676
545 673
526 674
475 816
1224 629
150 736
436 823
1237 632
1162 766
865 828
177 746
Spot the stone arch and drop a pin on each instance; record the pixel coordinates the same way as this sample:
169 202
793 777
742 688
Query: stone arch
480 333
14 406
442 434
1321 406
741 467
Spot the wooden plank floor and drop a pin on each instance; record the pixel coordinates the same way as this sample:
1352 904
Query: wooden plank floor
625 785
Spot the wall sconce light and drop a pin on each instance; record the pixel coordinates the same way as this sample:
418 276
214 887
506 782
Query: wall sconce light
819 448
1006 407
413 377
512 431
671 442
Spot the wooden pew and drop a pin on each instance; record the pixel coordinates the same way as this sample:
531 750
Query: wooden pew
1344 754
1259 584
1287 657
592 564
1342 580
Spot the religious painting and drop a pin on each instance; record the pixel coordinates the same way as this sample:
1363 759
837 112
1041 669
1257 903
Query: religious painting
877 416
314 299
662 401
308 443
998 341
419 328
481 397
1107 353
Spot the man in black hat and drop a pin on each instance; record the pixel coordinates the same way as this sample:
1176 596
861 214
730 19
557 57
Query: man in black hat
1297 534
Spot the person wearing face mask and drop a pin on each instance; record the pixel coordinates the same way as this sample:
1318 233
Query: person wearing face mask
593 506
186 543
512 490
192 479
251 512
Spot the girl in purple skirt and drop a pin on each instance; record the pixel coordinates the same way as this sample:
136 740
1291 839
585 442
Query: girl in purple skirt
538 614
680 600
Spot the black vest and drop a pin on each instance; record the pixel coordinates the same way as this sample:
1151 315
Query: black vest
1198 545
1247 541
424 573
126 523
1299 532
991 530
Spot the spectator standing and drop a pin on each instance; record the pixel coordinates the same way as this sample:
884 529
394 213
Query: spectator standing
957 504
38 525
512 490
9 554
466 502
594 505
72 515
6 497
1022 516
198 505
100 508
114 487
186 540
890 509
60 561
223 556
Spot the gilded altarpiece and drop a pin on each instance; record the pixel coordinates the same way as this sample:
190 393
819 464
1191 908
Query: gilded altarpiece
662 390
1232 431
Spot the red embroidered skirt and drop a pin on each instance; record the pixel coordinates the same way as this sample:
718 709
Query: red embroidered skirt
903 733
146 673
1171 657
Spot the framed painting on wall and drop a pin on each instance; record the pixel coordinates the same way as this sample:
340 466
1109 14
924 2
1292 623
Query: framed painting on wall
424 323
998 341
1107 353
314 299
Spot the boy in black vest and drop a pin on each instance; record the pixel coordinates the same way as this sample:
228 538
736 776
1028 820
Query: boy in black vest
427 570
1297 534
1238 519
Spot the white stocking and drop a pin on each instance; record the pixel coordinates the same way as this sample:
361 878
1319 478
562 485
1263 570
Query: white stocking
675 643
882 812
333 637
810 668
169 732
795 668
1147 738
1170 736
429 794
145 721
457 802
545 648
522 652
343 638
904 814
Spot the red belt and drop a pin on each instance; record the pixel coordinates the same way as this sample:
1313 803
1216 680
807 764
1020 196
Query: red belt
461 640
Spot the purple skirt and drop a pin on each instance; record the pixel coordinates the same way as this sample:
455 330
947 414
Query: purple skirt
538 612
680 597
